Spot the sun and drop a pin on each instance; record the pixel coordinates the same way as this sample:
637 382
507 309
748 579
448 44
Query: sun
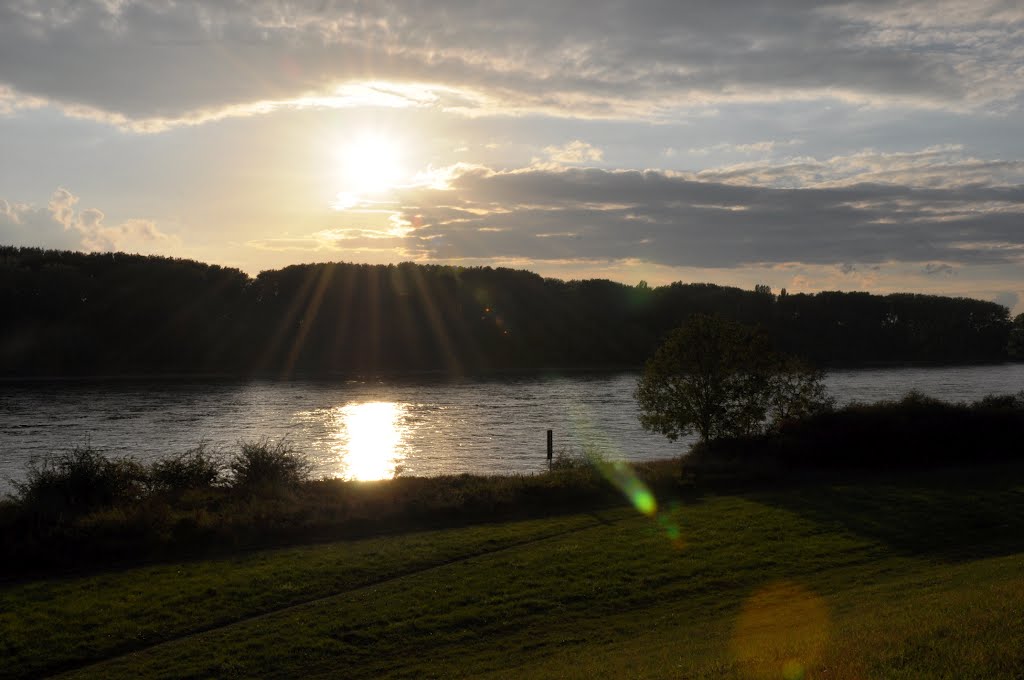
370 164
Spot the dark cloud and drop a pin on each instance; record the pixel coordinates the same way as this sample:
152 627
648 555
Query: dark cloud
938 269
552 214
144 59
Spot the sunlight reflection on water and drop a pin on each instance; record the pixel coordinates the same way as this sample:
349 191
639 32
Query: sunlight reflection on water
368 439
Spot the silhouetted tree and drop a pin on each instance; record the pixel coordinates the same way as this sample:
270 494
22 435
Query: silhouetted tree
1016 343
71 313
797 391
719 379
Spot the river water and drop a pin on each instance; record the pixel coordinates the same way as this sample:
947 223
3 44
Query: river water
376 429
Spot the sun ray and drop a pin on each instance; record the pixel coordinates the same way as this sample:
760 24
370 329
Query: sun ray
286 321
430 307
325 273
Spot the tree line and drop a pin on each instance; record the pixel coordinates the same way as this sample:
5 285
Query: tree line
68 313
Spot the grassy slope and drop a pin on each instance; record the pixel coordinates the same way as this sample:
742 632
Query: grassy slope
920 578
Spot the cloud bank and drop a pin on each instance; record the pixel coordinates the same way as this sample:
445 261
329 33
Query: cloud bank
151 64
892 208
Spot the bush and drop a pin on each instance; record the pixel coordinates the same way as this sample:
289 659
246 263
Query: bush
79 481
568 460
1001 401
196 468
916 432
266 466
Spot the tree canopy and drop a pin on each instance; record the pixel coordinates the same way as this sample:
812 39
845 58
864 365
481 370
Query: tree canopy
719 378
71 313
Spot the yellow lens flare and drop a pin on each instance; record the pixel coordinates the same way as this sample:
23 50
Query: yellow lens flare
781 632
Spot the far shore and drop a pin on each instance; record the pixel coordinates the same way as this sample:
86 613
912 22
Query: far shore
440 374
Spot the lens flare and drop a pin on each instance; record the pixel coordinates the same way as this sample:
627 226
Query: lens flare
781 632
625 480
621 475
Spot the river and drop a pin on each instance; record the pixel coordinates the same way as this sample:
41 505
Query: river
376 429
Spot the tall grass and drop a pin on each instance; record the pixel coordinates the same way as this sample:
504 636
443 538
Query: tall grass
204 502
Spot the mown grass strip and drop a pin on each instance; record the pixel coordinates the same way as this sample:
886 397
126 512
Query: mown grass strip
483 614
57 624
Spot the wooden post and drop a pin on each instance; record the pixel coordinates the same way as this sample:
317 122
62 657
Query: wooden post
551 447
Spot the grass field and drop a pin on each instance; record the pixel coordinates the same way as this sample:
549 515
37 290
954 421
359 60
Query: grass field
920 575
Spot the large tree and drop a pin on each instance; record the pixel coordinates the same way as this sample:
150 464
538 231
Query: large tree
1015 347
719 378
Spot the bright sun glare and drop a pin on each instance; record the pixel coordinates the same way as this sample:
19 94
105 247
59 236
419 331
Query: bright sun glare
370 164
372 435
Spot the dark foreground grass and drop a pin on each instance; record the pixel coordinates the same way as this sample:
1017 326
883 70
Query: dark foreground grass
915 576
62 523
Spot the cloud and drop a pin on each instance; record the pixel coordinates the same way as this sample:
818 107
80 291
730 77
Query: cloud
762 147
61 225
673 219
939 269
943 166
575 152
150 65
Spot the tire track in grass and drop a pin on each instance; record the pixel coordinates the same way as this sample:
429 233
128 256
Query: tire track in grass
599 521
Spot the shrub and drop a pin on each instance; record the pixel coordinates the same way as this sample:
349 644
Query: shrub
268 466
915 399
915 432
566 460
1001 401
197 468
78 481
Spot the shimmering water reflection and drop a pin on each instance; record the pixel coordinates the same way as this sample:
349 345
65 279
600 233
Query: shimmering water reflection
371 439
361 440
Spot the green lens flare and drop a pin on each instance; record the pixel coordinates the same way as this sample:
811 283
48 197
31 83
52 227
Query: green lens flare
623 477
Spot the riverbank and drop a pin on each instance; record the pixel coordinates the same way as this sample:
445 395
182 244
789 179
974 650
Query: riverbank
903 576
89 510
61 527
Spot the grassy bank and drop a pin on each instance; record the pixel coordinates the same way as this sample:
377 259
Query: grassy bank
919 575
82 510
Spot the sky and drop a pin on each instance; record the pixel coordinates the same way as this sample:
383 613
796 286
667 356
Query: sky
803 144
